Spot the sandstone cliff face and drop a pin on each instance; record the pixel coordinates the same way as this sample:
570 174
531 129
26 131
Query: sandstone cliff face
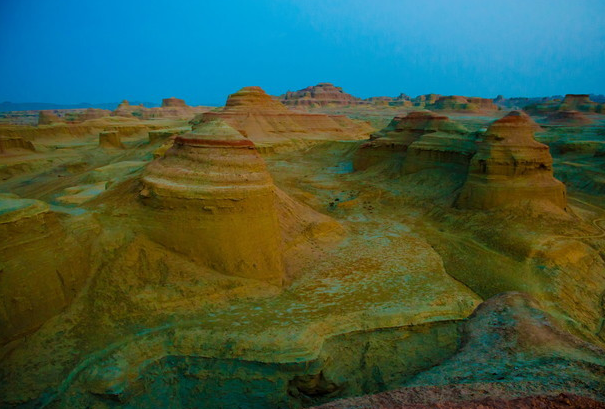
110 139
215 202
14 144
44 264
511 168
320 95
261 118
392 142
441 149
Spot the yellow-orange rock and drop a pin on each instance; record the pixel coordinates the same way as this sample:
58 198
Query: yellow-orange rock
568 118
213 200
173 102
261 118
15 143
110 139
94 113
321 95
44 264
392 142
511 168
48 118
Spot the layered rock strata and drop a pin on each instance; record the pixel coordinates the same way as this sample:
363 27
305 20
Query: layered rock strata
215 202
511 168
392 142
568 118
320 95
261 118
15 143
110 139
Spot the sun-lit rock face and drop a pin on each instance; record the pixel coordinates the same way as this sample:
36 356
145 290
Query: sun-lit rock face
394 140
48 118
568 118
261 118
320 95
215 202
110 139
511 168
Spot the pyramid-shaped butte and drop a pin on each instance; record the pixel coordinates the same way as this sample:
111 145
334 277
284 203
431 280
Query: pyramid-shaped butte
214 200
261 118
511 168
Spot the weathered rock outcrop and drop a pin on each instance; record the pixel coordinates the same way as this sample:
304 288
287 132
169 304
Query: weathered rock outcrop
44 264
450 149
513 355
215 202
460 103
93 113
48 118
568 118
110 139
173 102
392 142
320 95
511 168
15 143
261 118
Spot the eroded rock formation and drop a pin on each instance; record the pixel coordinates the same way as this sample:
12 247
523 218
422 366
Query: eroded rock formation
392 142
568 118
15 143
215 202
110 139
511 168
320 95
48 118
261 118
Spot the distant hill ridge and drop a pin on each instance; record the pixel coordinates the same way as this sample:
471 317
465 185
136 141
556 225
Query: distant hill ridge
37 106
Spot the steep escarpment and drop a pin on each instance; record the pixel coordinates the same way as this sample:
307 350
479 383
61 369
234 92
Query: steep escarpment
323 94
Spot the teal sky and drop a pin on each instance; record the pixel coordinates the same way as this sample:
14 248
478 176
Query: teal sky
101 51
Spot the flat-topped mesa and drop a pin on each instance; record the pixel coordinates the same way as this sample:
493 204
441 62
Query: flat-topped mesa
511 168
393 141
93 113
579 102
212 198
320 95
261 118
568 118
48 118
173 102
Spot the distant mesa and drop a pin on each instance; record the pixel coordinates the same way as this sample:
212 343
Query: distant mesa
94 113
48 118
323 94
215 202
568 118
391 143
173 102
460 103
261 118
172 108
571 102
511 168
